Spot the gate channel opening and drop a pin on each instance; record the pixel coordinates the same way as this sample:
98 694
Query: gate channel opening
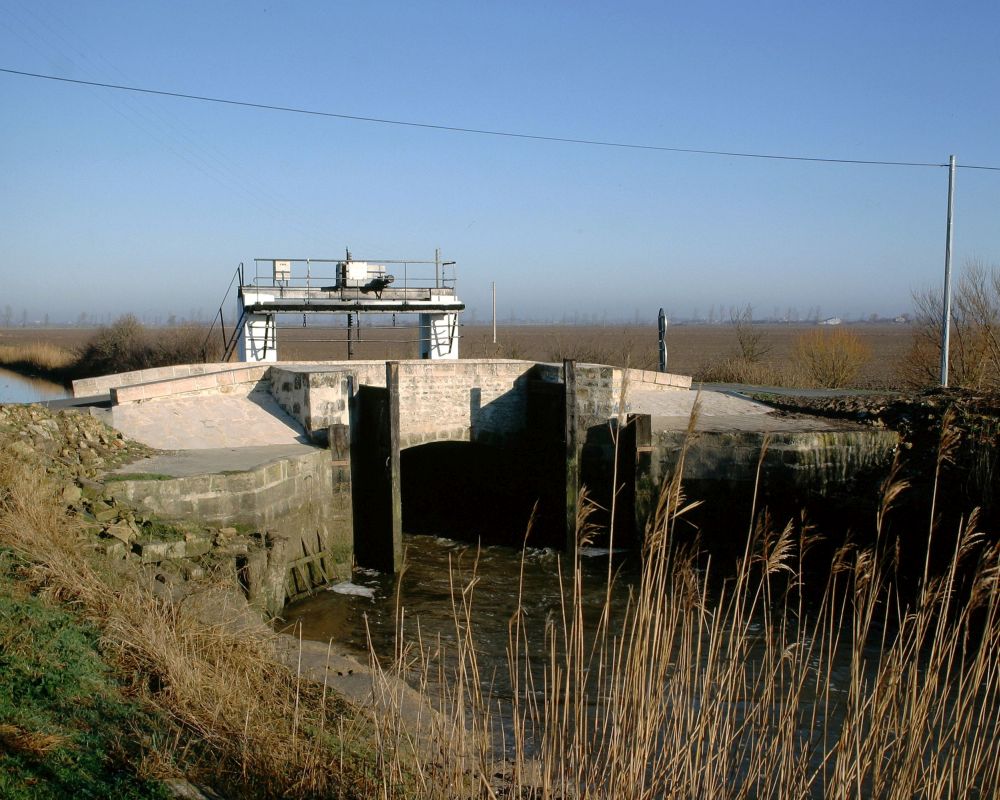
476 492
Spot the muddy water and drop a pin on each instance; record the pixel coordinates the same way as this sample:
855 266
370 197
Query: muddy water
16 388
423 591
368 606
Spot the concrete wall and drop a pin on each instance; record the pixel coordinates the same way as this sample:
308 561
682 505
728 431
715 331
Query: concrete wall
721 466
88 387
319 396
302 503
471 400
813 460
211 382
466 400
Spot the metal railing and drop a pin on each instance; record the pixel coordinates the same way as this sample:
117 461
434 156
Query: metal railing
228 343
327 275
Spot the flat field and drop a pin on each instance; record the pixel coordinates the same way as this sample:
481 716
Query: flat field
691 348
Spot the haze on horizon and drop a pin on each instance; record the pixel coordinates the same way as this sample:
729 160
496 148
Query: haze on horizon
116 201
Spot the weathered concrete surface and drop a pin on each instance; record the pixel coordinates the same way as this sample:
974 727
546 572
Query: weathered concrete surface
205 421
807 460
718 411
229 415
204 461
297 496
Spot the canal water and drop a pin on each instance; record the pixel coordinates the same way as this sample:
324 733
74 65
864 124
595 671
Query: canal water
15 388
436 571
349 612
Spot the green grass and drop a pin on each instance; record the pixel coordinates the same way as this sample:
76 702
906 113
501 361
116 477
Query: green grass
114 477
66 729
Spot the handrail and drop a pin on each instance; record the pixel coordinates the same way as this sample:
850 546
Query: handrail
220 317
230 345
309 273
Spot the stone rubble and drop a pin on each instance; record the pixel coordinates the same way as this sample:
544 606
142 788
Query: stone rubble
79 452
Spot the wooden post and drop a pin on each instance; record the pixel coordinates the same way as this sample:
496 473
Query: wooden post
645 491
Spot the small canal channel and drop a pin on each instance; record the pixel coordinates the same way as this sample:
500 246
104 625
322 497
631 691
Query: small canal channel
15 388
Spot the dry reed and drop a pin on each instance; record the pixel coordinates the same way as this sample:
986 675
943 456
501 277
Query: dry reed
36 357
241 721
745 685
752 686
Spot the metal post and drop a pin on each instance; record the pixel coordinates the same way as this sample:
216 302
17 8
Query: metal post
350 339
437 267
946 310
494 312
662 325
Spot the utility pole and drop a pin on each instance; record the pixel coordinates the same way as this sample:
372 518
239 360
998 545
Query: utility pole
494 284
946 310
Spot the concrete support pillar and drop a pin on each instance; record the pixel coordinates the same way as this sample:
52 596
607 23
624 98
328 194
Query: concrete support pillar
392 383
644 491
258 339
572 455
439 336
259 336
375 479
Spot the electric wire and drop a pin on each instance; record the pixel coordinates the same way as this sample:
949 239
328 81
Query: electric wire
165 131
485 131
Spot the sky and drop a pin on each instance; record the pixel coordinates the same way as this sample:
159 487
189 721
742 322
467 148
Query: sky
115 202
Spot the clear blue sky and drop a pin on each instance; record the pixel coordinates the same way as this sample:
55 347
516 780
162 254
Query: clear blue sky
116 202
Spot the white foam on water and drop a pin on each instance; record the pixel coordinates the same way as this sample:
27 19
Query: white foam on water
346 587
371 573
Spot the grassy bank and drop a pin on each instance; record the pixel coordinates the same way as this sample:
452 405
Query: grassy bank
151 689
39 359
66 725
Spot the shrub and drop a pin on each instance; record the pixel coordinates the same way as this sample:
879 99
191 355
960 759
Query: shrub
748 339
128 345
831 358
974 340
738 370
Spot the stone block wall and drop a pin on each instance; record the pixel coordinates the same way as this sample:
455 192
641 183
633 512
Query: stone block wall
302 502
466 400
720 467
807 460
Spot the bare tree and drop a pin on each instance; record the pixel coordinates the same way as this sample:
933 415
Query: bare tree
974 349
748 339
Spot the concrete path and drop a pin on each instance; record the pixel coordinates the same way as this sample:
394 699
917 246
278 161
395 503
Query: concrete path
209 433
208 421
721 411
203 461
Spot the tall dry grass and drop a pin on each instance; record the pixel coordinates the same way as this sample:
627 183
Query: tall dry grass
739 682
238 720
743 683
123 346
36 356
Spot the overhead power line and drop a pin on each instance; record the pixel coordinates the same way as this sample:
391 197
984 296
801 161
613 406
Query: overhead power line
482 131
